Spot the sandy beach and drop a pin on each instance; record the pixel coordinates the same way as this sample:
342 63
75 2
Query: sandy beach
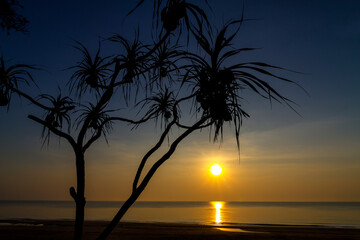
45 229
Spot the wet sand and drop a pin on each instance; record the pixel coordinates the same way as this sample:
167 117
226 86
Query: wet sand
38 229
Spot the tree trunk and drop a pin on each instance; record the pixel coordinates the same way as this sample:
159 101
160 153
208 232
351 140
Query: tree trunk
79 196
120 214
137 191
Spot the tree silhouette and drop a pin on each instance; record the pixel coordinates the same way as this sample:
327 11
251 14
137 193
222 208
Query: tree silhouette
10 19
160 78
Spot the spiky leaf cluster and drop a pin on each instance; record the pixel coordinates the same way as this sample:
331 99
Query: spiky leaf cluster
91 73
57 113
162 106
99 120
217 85
11 77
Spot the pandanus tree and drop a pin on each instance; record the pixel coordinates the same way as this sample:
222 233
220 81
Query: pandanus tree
160 79
215 93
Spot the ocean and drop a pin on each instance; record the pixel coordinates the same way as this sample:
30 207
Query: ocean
334 214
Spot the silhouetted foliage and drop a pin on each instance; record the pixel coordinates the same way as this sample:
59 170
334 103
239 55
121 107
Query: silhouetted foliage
161 106
10 19
91 73
99 122
56 114
11 78
175 13
217 86
159 79
164 63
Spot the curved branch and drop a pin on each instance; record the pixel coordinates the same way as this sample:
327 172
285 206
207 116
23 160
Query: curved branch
149 153
135 122
151 51
109 92
98 133
146 180
167 155
102 102
54 130
188 127
92 140
31 99
185 98
129 120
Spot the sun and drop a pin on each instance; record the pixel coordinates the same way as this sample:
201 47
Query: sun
216 169
218 205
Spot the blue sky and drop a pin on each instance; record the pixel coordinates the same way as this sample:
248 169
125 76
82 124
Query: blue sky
284 156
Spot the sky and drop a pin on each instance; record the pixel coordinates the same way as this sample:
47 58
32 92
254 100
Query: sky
284 156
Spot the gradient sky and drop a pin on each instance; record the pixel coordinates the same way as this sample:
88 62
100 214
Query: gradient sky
284 156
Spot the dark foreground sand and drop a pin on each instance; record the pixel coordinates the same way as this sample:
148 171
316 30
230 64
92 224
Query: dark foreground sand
38 229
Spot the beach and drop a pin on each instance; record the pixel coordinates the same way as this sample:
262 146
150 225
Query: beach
56 229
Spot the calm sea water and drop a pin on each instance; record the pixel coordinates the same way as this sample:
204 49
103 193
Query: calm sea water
344 214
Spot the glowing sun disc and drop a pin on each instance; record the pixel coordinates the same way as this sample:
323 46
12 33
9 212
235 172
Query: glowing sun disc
216 169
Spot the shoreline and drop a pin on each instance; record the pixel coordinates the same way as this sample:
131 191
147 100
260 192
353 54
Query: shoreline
62 229
34 222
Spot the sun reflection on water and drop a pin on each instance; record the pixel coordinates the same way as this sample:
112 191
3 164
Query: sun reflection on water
218 206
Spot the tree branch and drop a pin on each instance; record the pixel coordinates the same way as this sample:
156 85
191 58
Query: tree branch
149 153
103 100
151 51
130 120
98 133
55 130
167 155
108 94
135 194
92 140
31 99
188 127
